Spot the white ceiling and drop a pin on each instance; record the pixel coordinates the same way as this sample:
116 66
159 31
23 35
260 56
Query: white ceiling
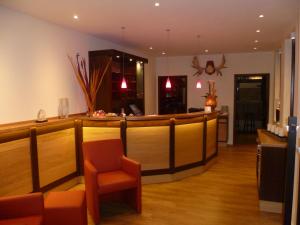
223 25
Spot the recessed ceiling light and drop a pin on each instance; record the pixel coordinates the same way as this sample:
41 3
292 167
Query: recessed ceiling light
156 4
261 16
255 48
75 17
150 47
118 56
256 41
141 62
293 38
206 50
257 31
130 60
163 53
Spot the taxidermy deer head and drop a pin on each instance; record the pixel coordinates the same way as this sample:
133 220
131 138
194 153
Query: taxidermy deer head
210 67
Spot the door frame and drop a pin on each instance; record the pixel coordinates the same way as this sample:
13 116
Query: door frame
265 75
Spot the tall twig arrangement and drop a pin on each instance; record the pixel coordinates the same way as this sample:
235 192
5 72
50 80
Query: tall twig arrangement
89 84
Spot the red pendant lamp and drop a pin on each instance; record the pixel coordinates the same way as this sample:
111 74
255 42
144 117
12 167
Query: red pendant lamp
123 84
199 85
168 83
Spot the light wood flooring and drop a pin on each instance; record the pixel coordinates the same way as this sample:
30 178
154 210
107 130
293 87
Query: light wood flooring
226 194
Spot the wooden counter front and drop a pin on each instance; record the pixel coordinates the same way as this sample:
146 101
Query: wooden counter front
43 156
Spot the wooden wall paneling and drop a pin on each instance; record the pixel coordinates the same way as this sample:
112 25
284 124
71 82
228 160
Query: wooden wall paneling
188 143
211 141
56 155
150 146
15 166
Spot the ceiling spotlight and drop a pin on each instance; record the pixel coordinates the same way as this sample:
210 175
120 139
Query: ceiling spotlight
141 62
150 47
257 31
261 16
156 4
256 41
75 17
255 48
163 53
206 50
118 56
130 60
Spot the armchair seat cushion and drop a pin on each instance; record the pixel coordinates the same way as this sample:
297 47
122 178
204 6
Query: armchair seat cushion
115 181
28 220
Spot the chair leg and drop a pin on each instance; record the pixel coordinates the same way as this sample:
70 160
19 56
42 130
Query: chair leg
133 198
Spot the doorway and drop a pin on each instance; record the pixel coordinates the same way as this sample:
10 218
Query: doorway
174 99
251 106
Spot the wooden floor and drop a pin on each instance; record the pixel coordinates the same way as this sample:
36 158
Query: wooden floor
226 194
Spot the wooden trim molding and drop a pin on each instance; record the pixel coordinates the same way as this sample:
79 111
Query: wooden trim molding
34 161
55 127
13 135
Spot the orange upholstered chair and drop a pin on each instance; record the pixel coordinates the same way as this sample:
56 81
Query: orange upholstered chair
23 209
109 175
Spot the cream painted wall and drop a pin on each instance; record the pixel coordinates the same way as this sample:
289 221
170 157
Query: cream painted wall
35 71
285 82
237 63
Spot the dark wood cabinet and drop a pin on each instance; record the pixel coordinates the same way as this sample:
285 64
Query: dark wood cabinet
223 128
271 164
111 97
172 100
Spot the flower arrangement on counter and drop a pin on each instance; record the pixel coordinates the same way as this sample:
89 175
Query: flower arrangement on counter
89 84
211 97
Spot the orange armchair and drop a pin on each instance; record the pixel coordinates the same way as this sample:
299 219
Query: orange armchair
108 171
22 209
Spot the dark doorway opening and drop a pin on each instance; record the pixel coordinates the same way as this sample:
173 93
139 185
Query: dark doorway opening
174 99
251 106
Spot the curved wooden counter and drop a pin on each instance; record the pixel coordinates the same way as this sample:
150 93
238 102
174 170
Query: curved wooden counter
39 157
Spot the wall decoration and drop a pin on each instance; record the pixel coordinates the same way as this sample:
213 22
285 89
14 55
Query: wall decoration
89 84
209 68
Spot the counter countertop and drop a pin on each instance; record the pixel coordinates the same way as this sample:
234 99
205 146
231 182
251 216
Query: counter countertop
269 140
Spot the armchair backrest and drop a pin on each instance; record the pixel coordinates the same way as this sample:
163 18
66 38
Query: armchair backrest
21 206
105 155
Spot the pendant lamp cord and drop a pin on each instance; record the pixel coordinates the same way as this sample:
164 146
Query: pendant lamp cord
123 39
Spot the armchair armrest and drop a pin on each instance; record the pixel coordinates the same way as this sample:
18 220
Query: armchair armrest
130 166
90 174
21 206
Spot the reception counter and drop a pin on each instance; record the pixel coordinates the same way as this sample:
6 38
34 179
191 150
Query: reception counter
39 157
